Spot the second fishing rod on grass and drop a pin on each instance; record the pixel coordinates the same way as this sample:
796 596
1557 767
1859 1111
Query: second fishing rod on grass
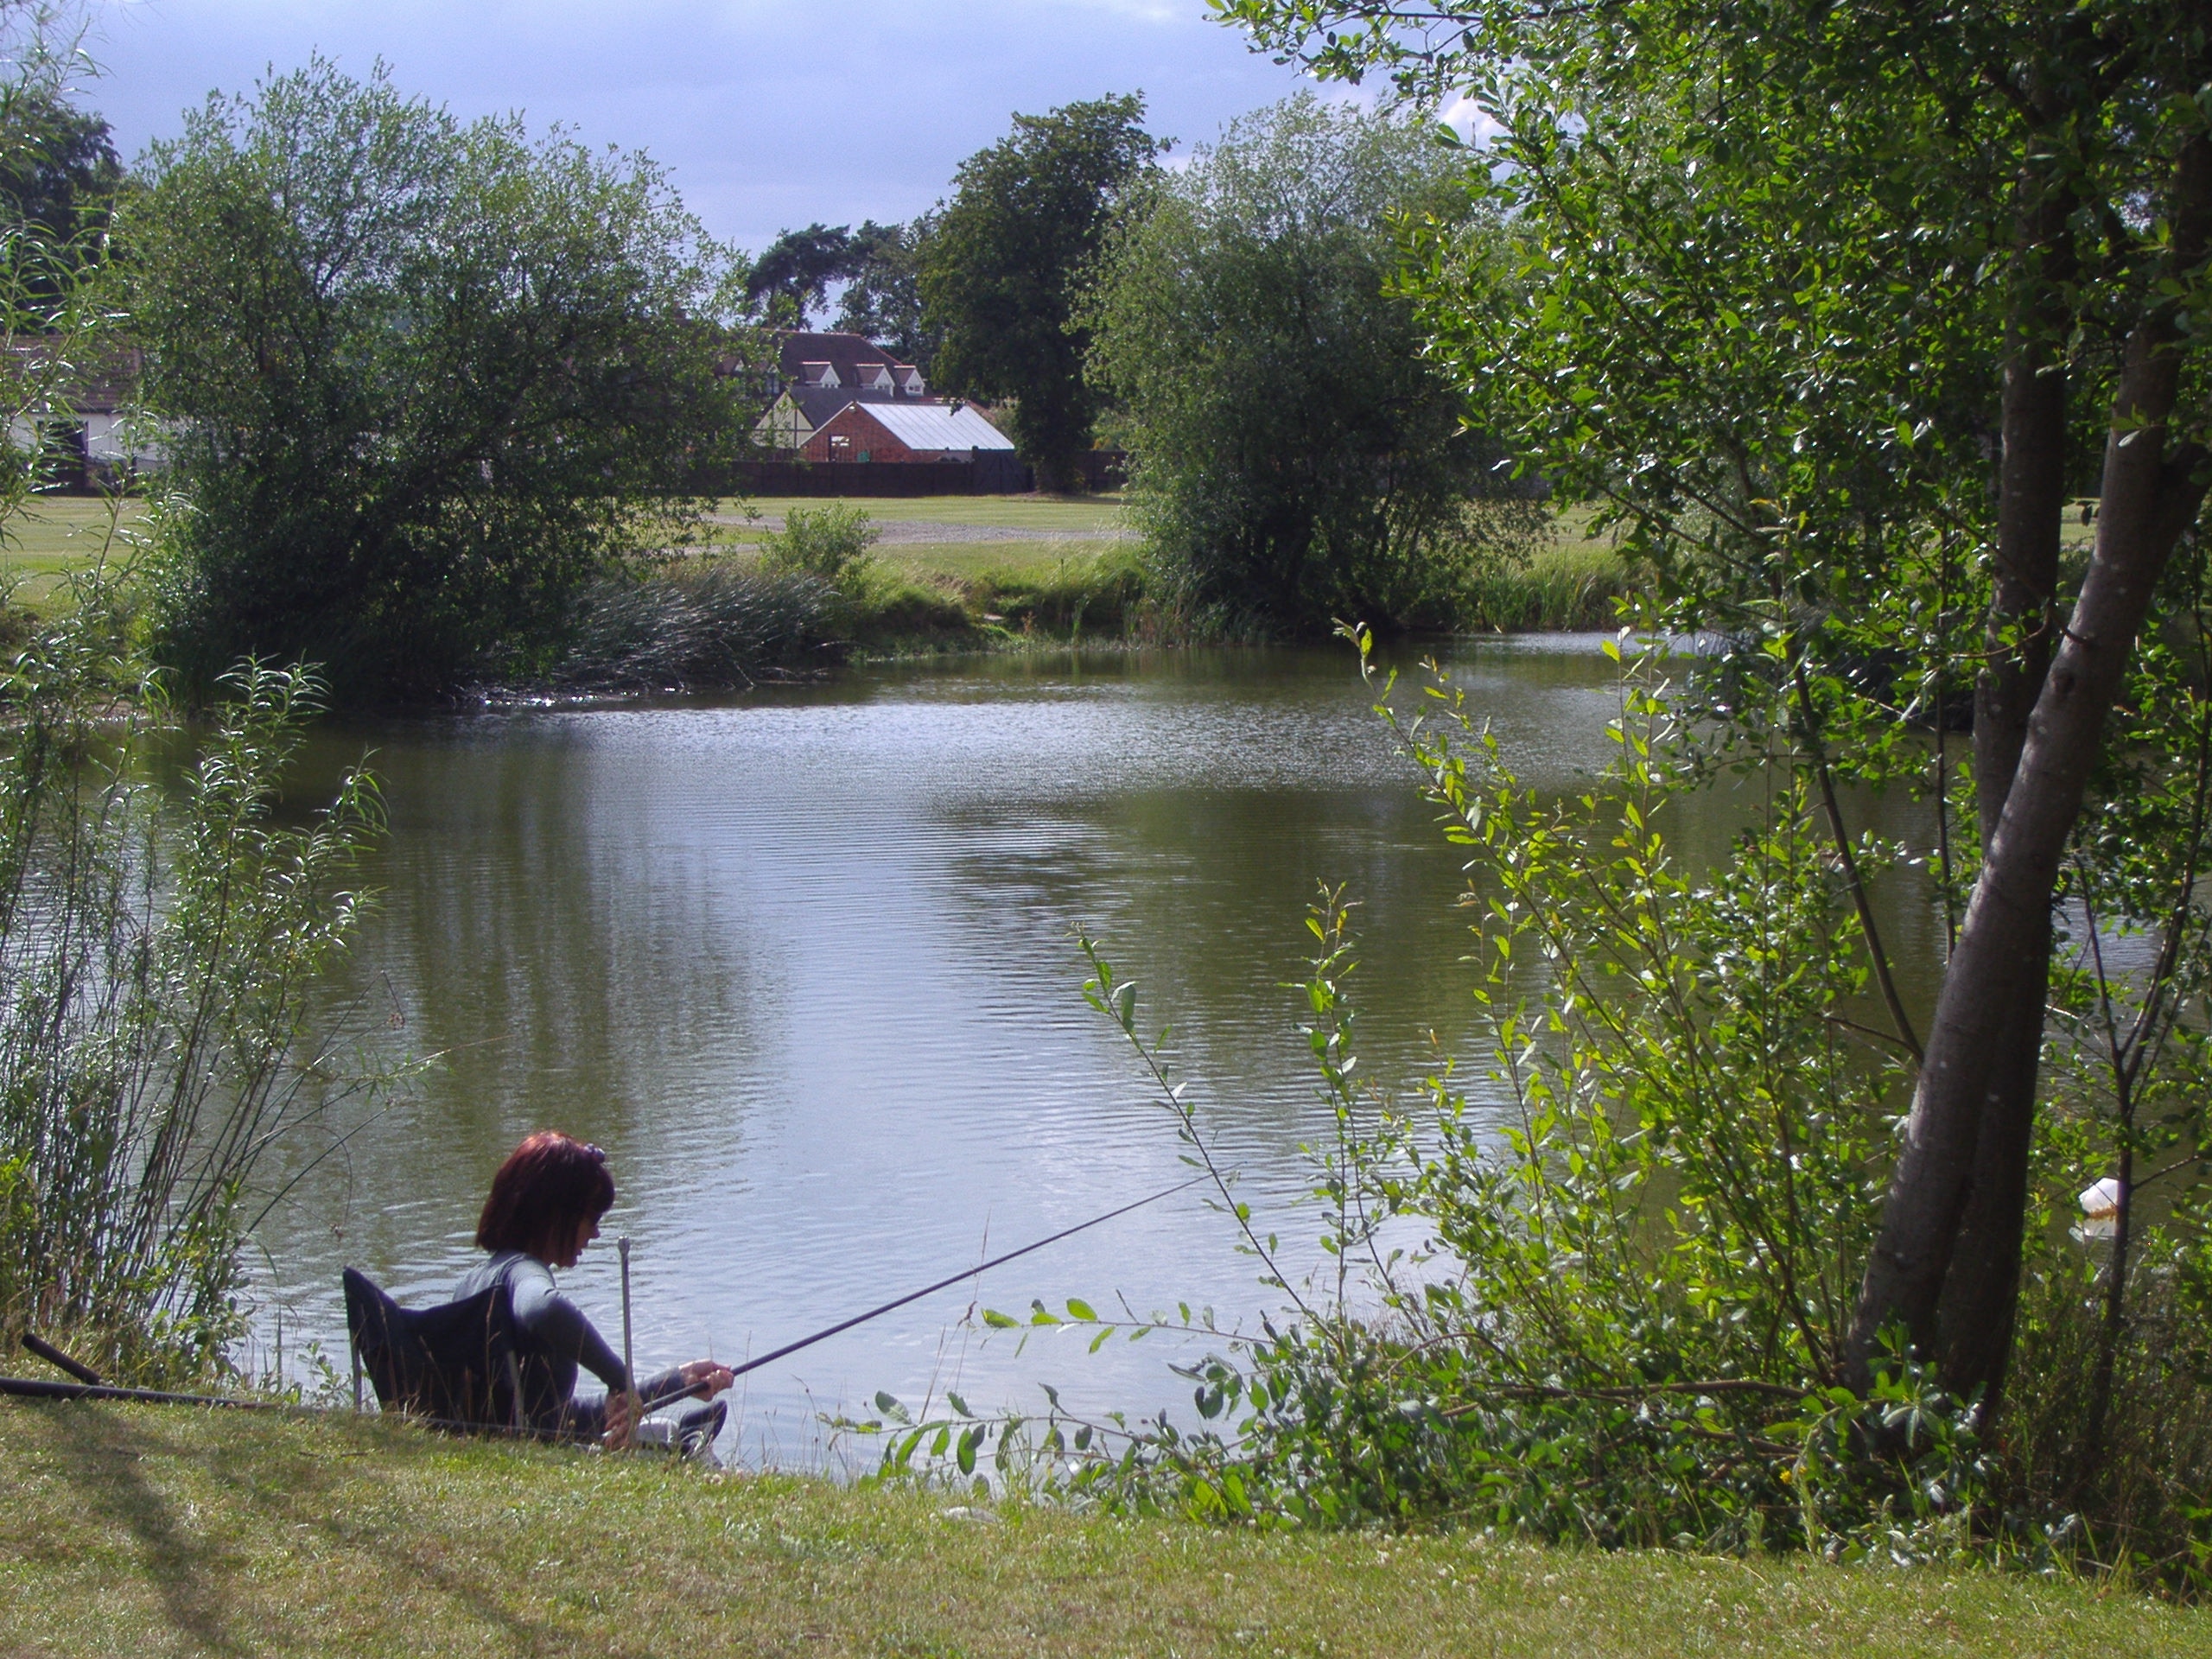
545 1206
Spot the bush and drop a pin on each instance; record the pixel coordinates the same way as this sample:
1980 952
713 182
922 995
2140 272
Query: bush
829 543
1100 596
157 956
1626 1318
1558 587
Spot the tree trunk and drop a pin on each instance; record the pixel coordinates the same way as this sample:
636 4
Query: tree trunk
1996 977
1974 1316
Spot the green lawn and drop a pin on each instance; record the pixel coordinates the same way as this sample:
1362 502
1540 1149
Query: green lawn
965 561
930 543
56 534
146 1531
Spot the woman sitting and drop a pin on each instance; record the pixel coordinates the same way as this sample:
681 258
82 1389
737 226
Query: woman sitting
545 1206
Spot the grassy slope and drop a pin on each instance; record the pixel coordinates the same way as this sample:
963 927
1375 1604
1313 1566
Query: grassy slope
147 1531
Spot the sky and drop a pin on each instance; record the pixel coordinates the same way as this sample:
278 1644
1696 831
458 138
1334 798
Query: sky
768 113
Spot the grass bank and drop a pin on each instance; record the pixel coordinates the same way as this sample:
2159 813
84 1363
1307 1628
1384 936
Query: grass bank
952 573
146 1531
56 534
964 573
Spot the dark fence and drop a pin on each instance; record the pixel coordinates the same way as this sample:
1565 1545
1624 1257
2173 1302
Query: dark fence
992 473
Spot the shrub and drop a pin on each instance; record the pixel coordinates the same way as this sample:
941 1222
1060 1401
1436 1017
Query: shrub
1622 1316
829 543
157 956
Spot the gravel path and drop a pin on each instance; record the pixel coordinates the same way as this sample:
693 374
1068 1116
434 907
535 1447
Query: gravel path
908 532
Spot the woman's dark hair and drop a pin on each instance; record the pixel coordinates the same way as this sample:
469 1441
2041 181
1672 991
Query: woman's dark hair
549 1186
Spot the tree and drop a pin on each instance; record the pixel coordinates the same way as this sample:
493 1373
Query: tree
59 170
1785 267
791 277
421 381
883 298
58 175
879 265
1298 457
1002 269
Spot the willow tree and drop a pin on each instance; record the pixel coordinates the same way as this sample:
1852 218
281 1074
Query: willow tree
1299 456
421 380
1838 307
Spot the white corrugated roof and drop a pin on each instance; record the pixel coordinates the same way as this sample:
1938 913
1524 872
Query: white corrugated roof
937 426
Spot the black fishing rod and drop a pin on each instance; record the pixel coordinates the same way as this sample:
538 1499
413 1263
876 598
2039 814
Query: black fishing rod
775 1354
89 1385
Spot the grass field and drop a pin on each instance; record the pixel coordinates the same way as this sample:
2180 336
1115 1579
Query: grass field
57 534
145 1531
931 539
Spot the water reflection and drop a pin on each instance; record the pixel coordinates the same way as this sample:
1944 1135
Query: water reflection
801 961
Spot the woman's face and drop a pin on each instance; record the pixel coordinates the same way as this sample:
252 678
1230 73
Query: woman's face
585 1231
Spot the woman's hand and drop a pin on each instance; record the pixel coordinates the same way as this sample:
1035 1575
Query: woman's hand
618 1421
706 1378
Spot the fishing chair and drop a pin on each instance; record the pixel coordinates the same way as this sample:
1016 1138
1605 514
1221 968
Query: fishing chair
457 1365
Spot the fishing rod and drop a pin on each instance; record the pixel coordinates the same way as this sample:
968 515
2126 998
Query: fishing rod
88 1384
659 1400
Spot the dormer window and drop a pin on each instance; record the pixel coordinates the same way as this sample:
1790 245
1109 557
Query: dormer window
910 380
819 374
876 376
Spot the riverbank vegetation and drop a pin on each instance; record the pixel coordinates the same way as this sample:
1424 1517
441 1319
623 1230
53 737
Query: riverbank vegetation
149 1531
1831 309
158 951
163 924
1040 572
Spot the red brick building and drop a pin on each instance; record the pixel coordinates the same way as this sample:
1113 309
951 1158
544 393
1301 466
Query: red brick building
902 432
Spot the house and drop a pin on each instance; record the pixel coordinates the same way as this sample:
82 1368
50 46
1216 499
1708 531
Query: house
819 372
84 411
904 431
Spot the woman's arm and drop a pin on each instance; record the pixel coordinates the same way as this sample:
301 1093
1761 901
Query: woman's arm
554 1326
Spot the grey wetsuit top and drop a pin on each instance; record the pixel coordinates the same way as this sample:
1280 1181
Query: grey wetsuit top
555 1327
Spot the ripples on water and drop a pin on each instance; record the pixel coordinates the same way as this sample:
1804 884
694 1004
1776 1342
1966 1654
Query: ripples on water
802 962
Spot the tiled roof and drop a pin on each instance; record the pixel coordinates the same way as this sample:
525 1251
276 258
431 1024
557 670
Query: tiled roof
818 403
847 353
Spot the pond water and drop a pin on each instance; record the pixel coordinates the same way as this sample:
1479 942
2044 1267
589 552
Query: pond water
802 960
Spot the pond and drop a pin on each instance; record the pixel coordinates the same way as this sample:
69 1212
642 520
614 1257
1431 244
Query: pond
803 962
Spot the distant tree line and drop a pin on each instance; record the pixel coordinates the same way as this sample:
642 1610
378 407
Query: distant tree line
422 382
